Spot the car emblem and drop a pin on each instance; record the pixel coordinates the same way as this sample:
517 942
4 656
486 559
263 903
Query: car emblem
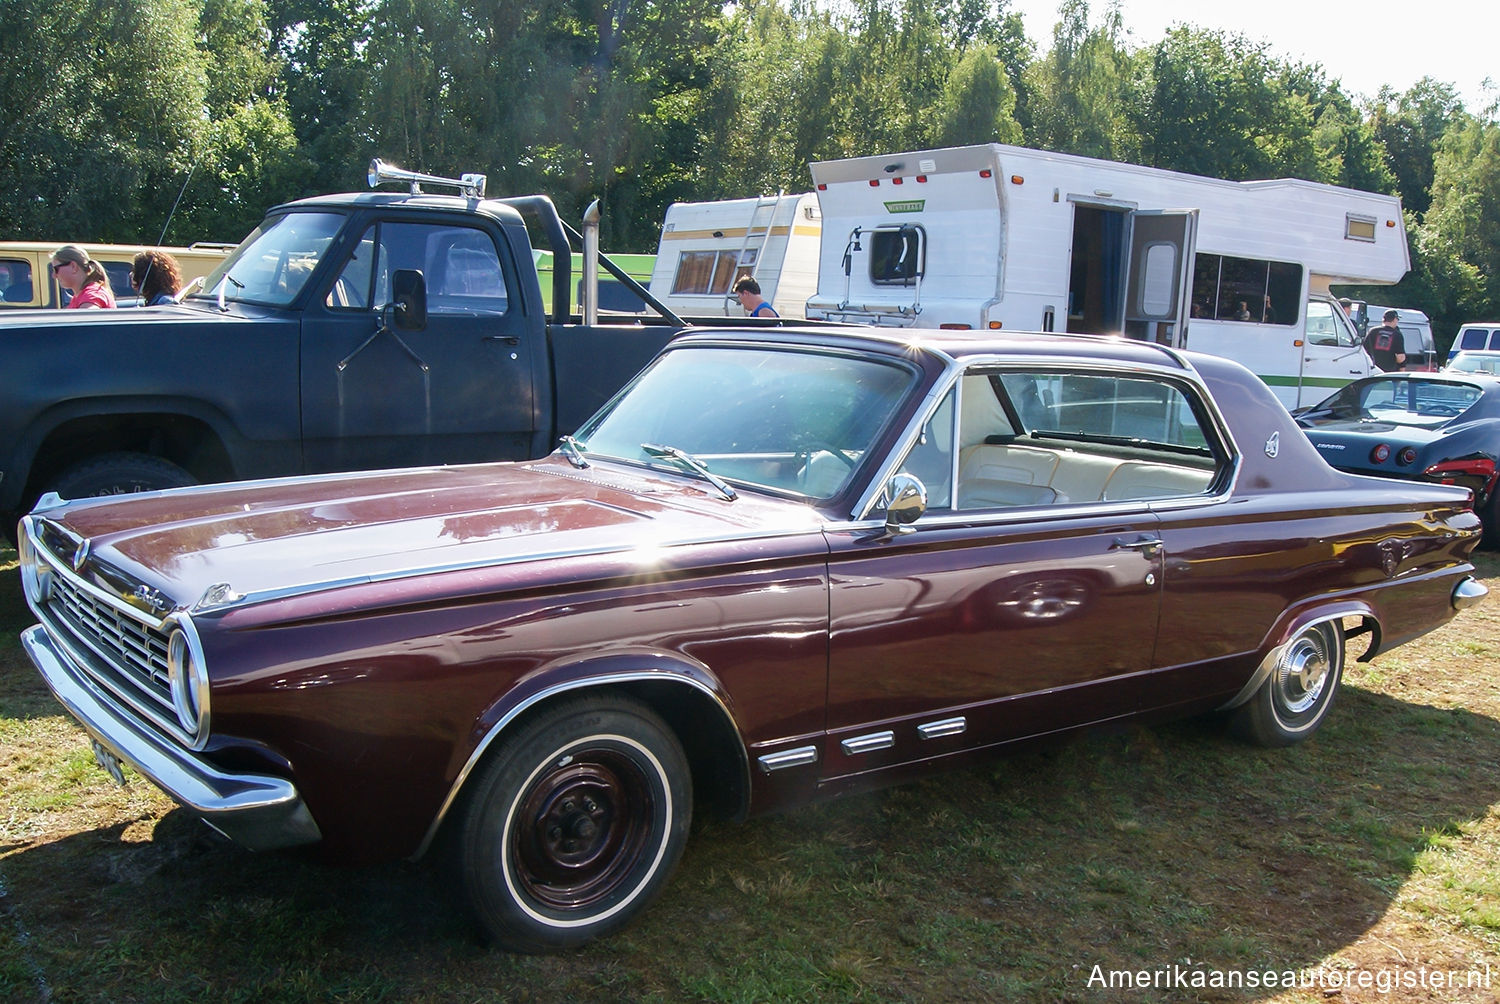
150 599
1273 445
80 556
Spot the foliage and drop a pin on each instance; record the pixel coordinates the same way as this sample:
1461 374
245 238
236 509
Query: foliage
117 109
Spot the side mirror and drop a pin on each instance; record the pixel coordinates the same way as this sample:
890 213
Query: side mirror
906 501
409 299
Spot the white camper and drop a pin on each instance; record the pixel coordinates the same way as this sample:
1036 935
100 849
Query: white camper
706 247
1000 236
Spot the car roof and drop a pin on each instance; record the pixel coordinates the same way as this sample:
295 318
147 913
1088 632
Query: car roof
955 345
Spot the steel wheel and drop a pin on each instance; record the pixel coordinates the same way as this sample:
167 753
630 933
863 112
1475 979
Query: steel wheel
1292 702
574 824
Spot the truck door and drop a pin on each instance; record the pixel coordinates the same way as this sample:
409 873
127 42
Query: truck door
1332 353
1158 279
458 391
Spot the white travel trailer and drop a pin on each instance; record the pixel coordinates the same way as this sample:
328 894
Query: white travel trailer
1005 237
706 246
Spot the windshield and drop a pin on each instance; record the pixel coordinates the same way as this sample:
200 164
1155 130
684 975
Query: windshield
273 264
1487 363
1423 403
791 420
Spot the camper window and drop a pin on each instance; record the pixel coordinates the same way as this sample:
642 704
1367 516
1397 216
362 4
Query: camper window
897 255
1246 289
705 272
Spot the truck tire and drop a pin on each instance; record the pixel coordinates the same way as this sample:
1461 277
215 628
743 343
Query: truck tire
119 474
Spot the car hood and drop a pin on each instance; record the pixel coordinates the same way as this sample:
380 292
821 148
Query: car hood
294 535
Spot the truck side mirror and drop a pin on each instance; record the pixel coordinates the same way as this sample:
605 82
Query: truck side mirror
409 299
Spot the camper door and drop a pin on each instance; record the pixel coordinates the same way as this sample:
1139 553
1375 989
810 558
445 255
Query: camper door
1159 277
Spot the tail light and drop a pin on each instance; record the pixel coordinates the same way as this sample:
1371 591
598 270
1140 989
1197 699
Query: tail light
1380 454
1449 471
1407 457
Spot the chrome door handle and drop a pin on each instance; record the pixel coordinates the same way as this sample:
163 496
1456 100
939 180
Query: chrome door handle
1141 543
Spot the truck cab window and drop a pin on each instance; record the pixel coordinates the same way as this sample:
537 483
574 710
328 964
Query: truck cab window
462 268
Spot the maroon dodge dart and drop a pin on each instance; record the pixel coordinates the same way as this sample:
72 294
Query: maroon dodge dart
778 566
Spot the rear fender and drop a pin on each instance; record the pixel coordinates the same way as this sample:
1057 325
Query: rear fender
1296 621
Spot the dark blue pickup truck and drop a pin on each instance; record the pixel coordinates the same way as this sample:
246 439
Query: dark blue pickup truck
347 332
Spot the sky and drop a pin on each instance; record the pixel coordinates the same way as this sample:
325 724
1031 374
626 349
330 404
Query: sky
1453 41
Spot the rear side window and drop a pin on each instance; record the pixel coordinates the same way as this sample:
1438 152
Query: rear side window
1039 438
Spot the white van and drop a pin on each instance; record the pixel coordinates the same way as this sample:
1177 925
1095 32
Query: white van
1475 335
1416 334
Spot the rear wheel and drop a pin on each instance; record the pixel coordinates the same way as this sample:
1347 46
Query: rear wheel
120 474
574 824
1296 696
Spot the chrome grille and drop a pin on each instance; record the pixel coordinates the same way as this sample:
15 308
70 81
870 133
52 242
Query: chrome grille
135 650
122 650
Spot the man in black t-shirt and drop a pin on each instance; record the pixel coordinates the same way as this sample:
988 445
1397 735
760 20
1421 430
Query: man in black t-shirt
1385 345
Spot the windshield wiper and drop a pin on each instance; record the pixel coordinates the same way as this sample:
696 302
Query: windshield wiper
237 285
573 450
693 464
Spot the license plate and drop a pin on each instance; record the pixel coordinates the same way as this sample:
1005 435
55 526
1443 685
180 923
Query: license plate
109 762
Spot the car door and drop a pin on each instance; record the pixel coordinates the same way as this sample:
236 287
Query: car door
459 390
1027 599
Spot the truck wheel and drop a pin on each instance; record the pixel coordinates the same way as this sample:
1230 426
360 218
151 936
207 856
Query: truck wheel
1295 697
574 824
120 474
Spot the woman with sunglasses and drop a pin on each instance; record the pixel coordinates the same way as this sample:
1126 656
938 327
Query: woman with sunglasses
83 277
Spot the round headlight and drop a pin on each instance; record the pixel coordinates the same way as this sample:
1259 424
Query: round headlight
188 676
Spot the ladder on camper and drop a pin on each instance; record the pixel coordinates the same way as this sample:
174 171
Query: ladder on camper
757 236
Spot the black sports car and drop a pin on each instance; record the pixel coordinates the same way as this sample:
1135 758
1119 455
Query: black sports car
1442 427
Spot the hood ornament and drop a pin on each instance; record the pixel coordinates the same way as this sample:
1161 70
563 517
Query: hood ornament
81 556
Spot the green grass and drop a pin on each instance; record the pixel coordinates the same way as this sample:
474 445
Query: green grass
1376 844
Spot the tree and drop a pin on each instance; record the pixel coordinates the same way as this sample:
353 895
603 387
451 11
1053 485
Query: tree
1079 92
1410 125
1220 105
977 104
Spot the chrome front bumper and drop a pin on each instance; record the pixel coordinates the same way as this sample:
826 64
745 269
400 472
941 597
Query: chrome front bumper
259 811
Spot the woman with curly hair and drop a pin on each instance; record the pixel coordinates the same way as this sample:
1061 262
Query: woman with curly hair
85 278
155 275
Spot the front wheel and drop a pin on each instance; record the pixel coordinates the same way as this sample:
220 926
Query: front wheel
574 824
1295 698
120 474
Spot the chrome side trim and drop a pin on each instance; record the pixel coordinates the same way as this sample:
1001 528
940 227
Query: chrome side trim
554 691
1469 592
259 811
946 727
870 743
802 756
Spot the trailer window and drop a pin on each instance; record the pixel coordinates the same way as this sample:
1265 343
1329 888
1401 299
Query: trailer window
1246 289
710 272
897 255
